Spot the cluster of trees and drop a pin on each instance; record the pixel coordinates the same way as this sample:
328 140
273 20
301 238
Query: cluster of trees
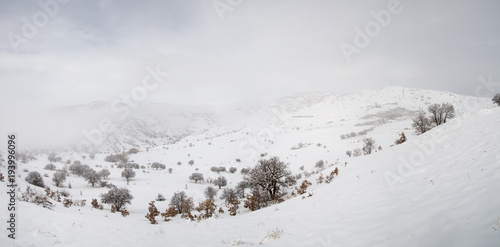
157 165
117 158
54 158
368 148
439 113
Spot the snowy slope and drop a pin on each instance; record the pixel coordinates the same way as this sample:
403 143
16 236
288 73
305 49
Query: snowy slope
437 189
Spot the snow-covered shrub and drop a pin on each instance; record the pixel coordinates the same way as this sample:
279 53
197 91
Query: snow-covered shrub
320 165
152 213
191 162
169 213
160 198
348 153
402 138
187 206
67 202
245 171
35 178
256 200
206 208
117 197
125 213
303 187
37 197
65 193
50 167
232 169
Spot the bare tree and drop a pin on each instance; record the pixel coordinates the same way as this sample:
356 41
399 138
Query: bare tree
369 145
177 199
421 123
269 175
440 113
448 111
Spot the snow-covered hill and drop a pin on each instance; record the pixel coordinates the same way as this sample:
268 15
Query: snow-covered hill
436 189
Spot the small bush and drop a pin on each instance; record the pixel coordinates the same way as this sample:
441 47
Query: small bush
160 198
402 138
153 212
125 213
50 167
169 213
35 179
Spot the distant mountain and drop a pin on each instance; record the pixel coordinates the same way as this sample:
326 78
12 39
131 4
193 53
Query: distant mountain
149 125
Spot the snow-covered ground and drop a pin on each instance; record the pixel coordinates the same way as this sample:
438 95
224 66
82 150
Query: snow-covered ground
436 189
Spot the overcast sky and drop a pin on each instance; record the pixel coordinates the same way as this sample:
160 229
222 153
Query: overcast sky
84 51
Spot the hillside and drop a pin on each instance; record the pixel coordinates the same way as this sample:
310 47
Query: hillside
436 189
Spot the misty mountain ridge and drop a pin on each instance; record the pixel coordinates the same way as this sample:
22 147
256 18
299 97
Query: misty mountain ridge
114 126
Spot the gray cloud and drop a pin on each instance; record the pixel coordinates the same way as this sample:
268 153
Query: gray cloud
98 50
